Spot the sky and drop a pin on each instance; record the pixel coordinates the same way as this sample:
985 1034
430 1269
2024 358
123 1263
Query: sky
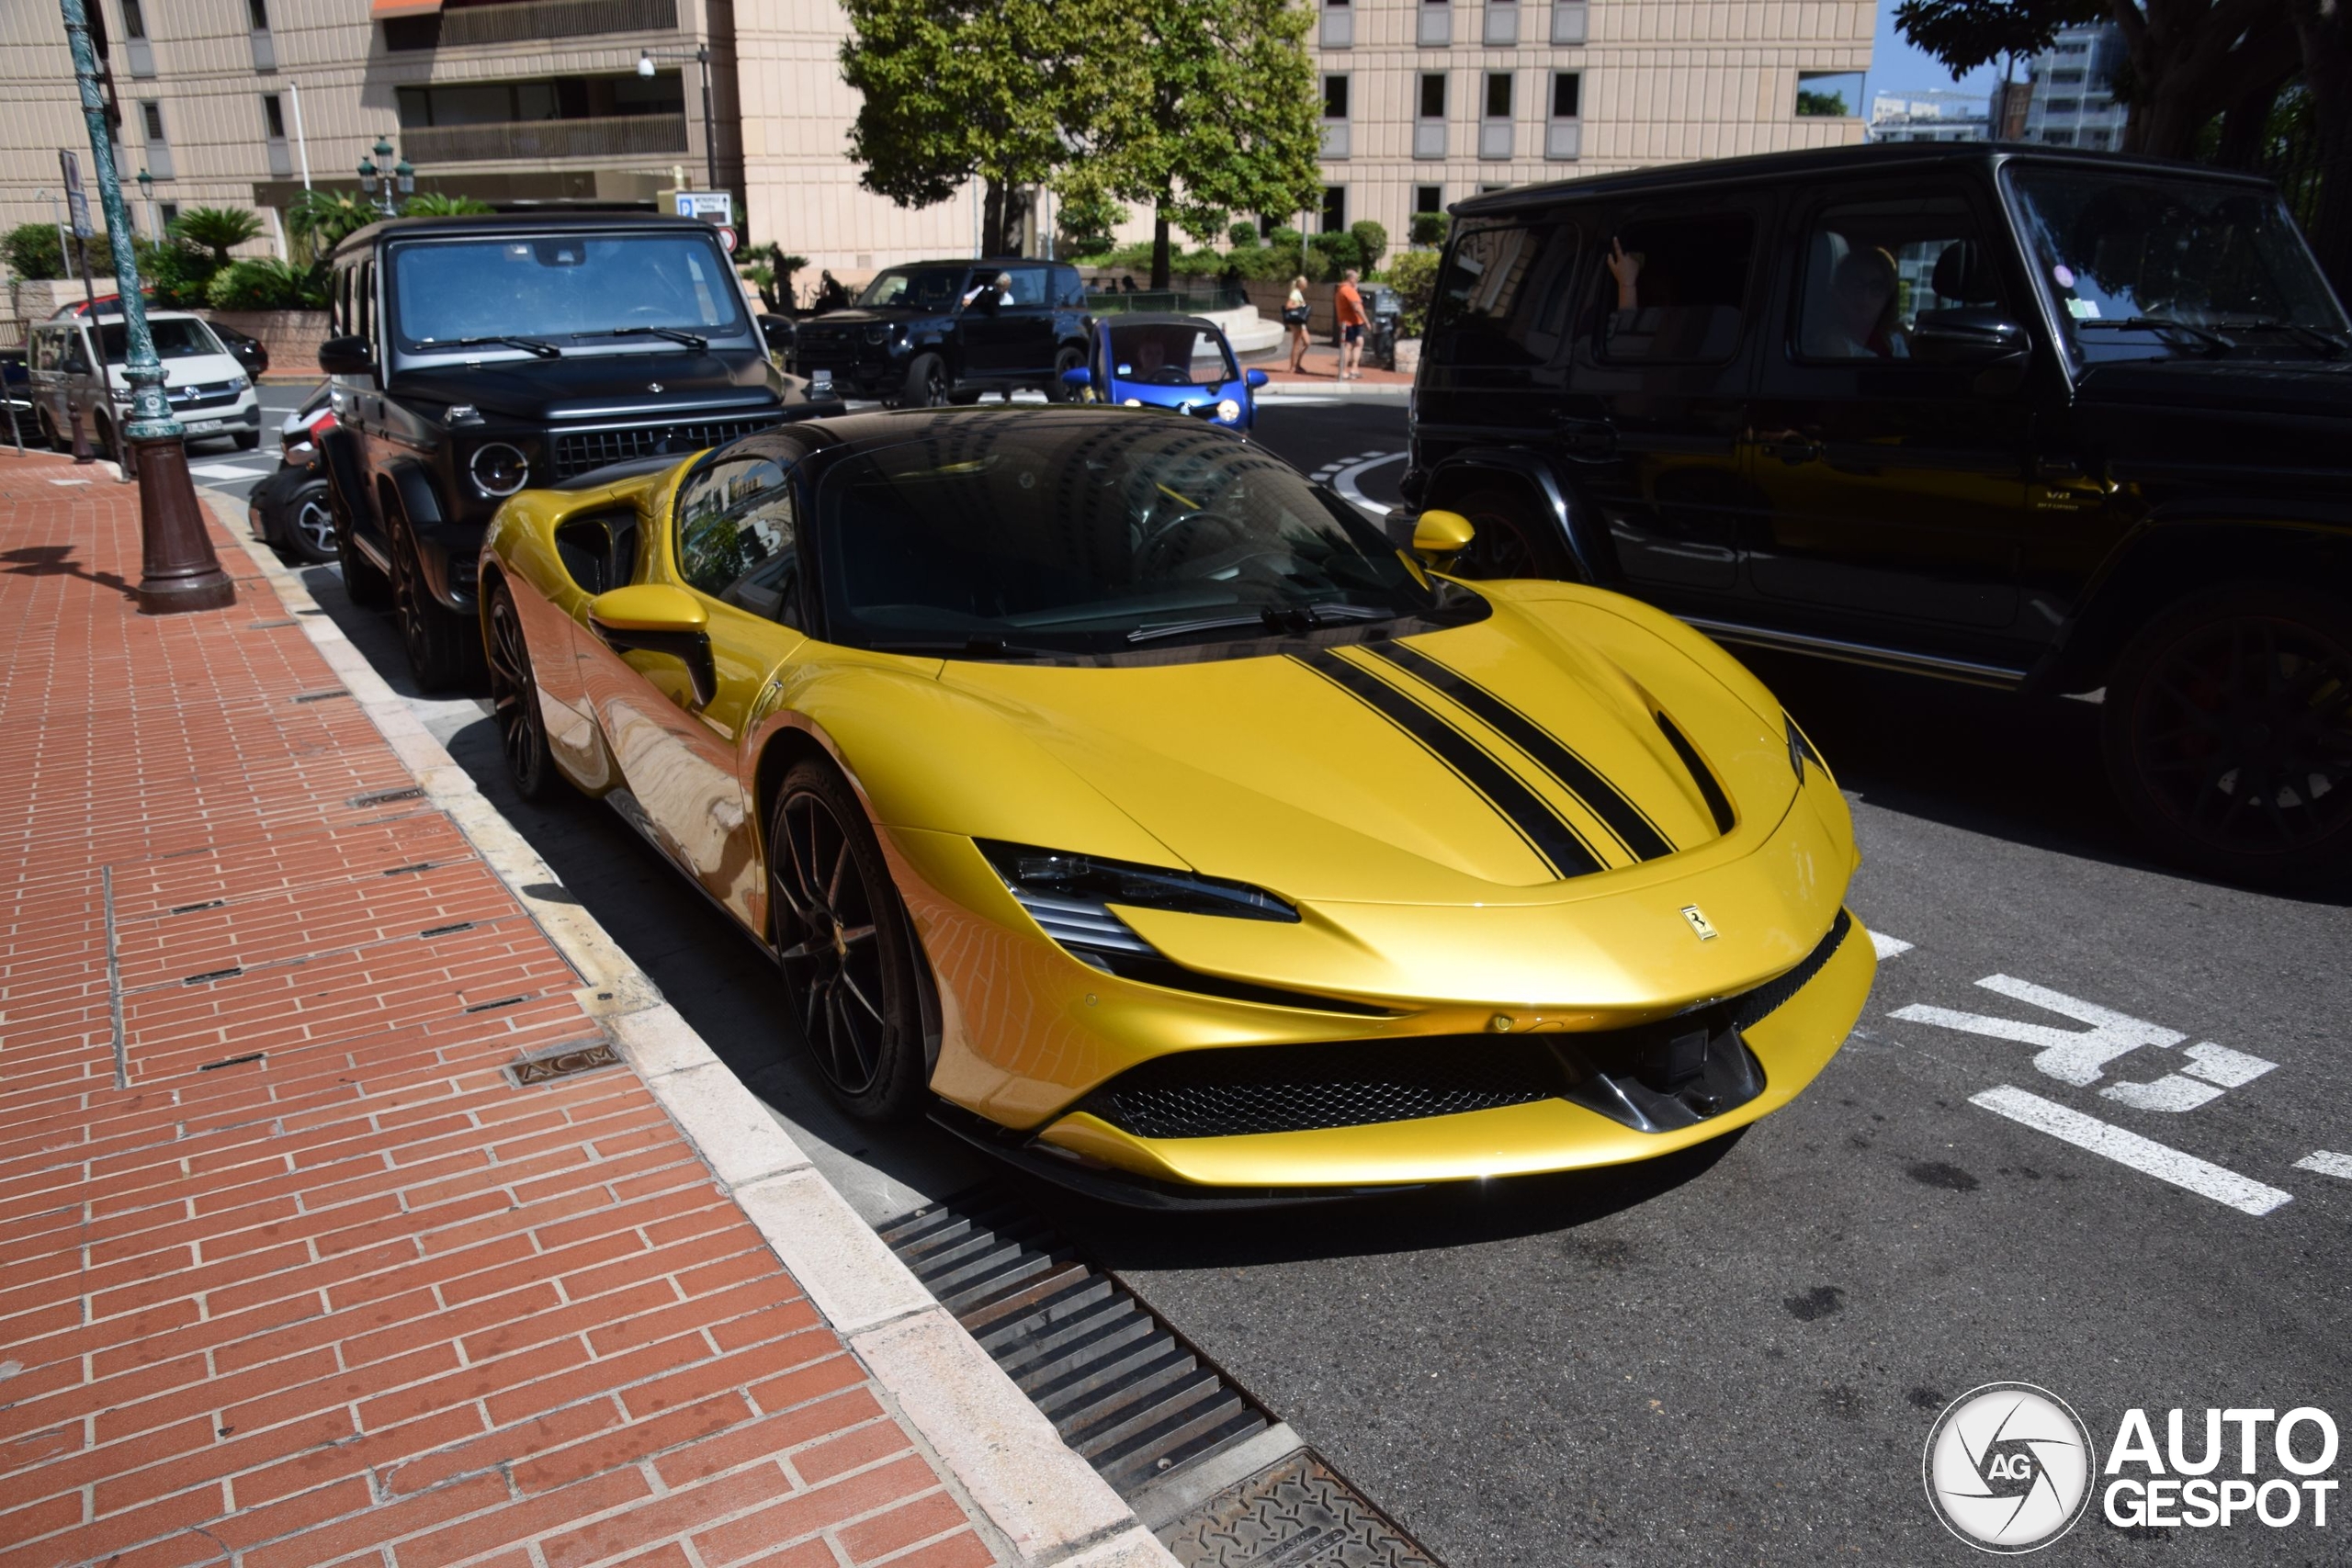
1897 67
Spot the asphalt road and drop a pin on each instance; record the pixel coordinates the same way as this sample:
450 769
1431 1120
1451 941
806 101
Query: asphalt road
1736 1355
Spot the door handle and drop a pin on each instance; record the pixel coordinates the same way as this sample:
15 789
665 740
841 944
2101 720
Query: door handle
1795 452
2057 470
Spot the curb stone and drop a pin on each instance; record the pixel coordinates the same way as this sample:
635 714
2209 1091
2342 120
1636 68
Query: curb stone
1039 1501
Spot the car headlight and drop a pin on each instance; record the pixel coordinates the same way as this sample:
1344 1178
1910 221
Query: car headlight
120 394
499 469
1800 750
1227 410
238 383
878 331
1069 895
1131 404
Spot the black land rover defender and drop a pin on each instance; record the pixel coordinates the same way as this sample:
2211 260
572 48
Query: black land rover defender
943 332
2045 421
474 356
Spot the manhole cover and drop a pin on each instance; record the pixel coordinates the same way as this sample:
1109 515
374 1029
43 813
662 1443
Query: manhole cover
1298 1513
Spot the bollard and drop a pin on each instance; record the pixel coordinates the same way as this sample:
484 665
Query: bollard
81 441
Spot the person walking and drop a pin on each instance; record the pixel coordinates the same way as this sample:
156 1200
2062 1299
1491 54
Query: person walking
1294 314
1347 304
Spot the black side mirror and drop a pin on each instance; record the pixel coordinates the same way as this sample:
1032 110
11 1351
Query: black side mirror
347 356
1969 335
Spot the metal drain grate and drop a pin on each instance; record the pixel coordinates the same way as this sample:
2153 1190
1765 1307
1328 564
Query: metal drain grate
1221 1481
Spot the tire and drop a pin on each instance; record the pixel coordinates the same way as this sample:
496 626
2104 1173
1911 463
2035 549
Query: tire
1507 541
444 648
1071 357
851 970
248 440
2227 730
46 428
102 442
306 522
514 701
368 588
926 383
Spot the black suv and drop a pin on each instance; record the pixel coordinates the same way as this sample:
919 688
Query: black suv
2031 419
474 356
934 332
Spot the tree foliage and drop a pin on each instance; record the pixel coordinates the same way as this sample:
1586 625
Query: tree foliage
1965 34
440 204
33 253
322 219
265 285
218 229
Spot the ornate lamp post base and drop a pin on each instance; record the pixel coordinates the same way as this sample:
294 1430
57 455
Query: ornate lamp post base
179 571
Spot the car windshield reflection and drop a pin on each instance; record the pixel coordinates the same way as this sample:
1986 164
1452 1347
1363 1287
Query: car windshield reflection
1073 535
2154 266
489 291
1169 355
922 288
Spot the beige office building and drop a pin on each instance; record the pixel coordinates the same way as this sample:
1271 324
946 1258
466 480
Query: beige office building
600 102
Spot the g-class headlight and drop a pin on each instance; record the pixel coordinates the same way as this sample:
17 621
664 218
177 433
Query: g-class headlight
499 469
878 331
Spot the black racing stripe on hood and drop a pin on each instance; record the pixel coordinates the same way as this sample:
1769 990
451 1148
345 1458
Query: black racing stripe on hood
1640 836
1551 837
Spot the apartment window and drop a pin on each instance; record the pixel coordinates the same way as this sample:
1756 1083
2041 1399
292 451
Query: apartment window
273 116
134 20
1335 116
1437 24
1339 24
2097 135
150 119
170 210
2058 138
561 97
2065 78
1563 137
2062 105
1568 21
135 39
1428 198
1428 132
1493 133
258 10
1335 209
265 49
1502 24
273 121
1497 95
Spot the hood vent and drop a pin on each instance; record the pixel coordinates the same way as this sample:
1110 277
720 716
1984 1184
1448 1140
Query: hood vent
1710 790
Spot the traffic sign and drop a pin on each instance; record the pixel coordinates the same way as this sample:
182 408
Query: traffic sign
77 201
727 238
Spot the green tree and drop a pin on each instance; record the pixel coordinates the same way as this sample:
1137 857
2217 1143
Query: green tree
957 89
1241 235
265 285
218 229
1414 276
322 219
1431 228
1214 111
1812 103
438 203
33 255
1371 240
178 272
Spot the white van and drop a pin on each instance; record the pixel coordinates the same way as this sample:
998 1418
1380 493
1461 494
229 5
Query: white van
210 394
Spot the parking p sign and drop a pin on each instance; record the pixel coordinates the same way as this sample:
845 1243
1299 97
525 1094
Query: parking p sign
711 206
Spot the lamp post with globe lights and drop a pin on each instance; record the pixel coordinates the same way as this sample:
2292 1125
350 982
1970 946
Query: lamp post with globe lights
386 183
178 571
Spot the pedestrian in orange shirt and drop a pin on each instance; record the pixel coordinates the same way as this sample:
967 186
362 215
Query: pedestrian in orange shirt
1348 305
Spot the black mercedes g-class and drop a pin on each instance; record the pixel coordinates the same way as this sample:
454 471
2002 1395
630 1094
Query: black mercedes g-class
2039 420
473 356
929 333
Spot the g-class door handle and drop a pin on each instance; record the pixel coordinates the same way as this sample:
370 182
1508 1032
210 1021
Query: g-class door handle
1587 438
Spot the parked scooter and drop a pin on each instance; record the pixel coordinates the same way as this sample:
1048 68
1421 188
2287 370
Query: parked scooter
289 511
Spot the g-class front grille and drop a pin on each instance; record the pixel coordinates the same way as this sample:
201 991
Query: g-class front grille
577 451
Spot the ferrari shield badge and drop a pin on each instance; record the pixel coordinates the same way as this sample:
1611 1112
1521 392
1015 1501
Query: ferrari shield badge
1698 922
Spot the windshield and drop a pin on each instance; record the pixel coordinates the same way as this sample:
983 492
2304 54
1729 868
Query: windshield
182 339
2203 253
560 288
916 288
1092 534
1170 354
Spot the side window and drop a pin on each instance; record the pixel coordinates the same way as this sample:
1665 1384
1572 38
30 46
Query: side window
1029 286
44 355
365 291
1069 290
341 301
739 537
1504 298
77 357
1872 267
1675 289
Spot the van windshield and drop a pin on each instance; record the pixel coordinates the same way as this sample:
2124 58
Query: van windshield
559 288
182 339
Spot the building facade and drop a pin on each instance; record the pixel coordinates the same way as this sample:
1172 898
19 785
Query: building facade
1931 114
2072 90
226 103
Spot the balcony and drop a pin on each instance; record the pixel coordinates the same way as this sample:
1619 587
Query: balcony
1429 138
1502 24
1335 139
1436 25
611 136
529 21
1568 21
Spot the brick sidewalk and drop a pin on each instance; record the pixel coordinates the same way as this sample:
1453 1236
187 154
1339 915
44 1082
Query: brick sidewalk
1322 365
290 1273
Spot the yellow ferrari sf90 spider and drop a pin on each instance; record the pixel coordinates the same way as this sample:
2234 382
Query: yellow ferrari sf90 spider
1131 803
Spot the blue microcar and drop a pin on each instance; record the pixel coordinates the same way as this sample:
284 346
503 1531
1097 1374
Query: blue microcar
1180 363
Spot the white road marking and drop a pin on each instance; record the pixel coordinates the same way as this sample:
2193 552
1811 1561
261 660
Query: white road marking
2144 1155
1345 480
2219 1063
1889 946
2071 1055
2326 1164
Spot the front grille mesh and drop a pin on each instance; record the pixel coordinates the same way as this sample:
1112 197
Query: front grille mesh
578 451
1295 1089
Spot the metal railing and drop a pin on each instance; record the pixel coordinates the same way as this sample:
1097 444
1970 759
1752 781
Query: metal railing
1168 302
612 136
554 19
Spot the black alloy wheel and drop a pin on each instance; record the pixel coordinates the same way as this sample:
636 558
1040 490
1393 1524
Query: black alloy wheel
1070 358
1507 541
445 651
2228 733
927 382
842 939
367 586
309 523
47 429
514 701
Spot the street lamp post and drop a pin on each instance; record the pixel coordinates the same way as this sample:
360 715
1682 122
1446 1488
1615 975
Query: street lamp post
380 177
701 57
178 571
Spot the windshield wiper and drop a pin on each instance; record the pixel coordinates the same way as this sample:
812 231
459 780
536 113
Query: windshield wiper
529 345
1274 618
2205 335
695 340
2331 344
977 646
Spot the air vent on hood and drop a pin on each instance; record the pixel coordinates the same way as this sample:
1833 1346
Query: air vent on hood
1718 803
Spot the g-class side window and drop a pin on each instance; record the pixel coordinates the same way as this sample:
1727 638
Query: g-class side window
1675 289
1504 296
